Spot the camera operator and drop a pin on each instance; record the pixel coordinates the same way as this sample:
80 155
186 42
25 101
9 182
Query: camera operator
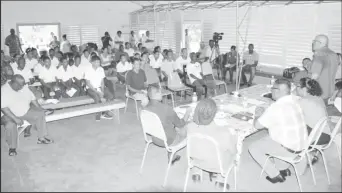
215 58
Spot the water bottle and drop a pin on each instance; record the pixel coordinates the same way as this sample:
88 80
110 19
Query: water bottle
272 80
194 97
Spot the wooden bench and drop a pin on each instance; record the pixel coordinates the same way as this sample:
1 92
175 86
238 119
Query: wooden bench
69 102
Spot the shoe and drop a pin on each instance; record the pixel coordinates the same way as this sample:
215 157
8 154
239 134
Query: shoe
98 117
221 185
196 178
44 141
106 116
285 173
278 178
249 84
12 152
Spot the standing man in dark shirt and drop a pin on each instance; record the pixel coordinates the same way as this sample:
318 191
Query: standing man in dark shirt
106 39
172 124
13 42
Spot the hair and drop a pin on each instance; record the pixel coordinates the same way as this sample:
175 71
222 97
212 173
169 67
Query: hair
64 36
85 50
156 48
131 59
285 82
167 52
51 50
63 58
121 46
250 45
95 58
113 63
135 59
33 49
71 62
311 85
305 59
73 46
119 32
61 53
93 54
183 49
44 58
136 54
106 33
338 85
211 41
132 32
139 44
155 51
127 43
205 112
144 53
233 47
28 50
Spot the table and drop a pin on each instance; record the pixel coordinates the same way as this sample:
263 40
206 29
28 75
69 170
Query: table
228 105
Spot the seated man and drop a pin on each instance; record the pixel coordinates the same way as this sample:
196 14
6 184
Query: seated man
230 64
137 83
119 53
304 72
16 99
6 73
122 68
78 75
182 62
128 49
96 89
168 66
287 132
47 78
172 124
196 77
208 77
250 62
31 62
64 77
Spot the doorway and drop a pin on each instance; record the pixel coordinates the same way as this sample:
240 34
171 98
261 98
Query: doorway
194 29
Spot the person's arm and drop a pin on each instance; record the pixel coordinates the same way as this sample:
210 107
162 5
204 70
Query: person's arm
317 67
194 77
256 61
134 90
6 111
7 41
45 84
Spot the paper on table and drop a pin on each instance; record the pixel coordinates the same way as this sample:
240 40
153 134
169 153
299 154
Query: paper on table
255 102
71 92
54 101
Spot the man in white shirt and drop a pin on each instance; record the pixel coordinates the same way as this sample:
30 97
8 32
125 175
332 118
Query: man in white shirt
30 61
64 77
118 40
24 71
16 100
168 66
250 62
96 88
147 41
128 49
53 58
194 70
182 62
78 71
47 78
287 131
65 44
122 68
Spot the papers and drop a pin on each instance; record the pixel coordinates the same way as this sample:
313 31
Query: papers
255 102
71 92
53 101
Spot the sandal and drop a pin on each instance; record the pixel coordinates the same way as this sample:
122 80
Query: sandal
12 152
44 141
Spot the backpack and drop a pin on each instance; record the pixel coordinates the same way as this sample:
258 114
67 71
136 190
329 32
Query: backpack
290 72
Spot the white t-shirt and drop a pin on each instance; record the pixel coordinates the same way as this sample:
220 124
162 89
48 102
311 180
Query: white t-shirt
65 46
130 52
168 67
38 69
181 62
63 74
250 58
194 69
26 73
54 62
118 39
78 72
31 63
155 63
120 67
17 101
48 75
94 76
85 62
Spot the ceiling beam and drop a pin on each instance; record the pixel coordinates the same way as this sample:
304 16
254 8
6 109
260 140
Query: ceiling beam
288 3
226 4
190 6
263 3
210 5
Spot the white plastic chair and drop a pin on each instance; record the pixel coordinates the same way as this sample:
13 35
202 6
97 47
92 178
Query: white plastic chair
129 96
152 125
298 157
337 139
219 83
212 141
166 93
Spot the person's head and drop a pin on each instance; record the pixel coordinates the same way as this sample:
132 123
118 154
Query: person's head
127 45
157 48
106 34
8 71
92 55
71 62
233 49
169 55
156 54
202 45
29 53
55 38
74 48
52 34
51 52
121 48
320 42
47 62
144 49
12 31
250 47
16 57
280 88
148 33
137 55
109 48
123 58
86 53
144 56
184 52
154 93
136 64
164 53
186 31
119 33
139 46
57 49
306 62
132 33
308 86
21 63
211 43
193 56
64 36
95 61
77 60
17 82
64 61
34 52
105 50
205 112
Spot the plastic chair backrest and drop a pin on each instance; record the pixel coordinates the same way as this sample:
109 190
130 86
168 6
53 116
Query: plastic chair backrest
334 132
337 103
152 125
203 139
316 133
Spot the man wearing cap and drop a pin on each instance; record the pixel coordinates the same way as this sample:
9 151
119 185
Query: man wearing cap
106 39
13 42
324 65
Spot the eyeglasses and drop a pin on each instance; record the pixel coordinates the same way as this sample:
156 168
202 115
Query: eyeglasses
316 41
274 88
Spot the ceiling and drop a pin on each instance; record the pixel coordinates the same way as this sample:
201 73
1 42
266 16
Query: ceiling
148 6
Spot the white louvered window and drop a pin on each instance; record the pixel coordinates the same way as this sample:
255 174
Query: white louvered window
90 33
73 34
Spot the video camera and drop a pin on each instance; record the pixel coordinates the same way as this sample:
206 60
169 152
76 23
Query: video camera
217 37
